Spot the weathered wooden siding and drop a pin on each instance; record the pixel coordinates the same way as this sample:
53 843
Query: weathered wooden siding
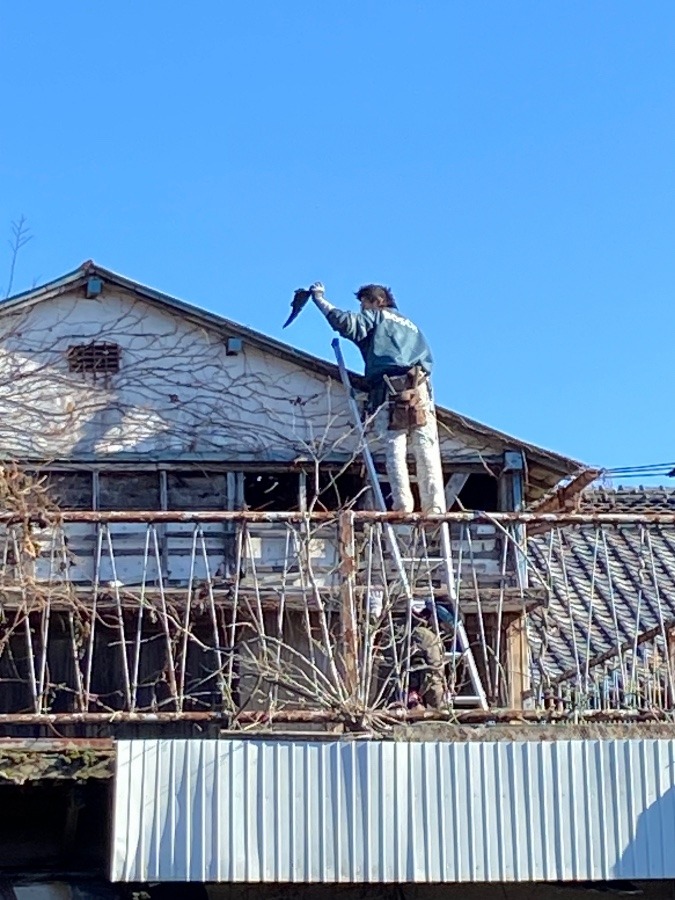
177 394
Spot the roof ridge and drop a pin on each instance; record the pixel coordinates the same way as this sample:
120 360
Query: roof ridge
629 489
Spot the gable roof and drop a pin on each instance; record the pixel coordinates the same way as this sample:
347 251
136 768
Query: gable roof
545 468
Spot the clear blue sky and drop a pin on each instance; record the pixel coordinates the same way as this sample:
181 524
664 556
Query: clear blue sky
507 167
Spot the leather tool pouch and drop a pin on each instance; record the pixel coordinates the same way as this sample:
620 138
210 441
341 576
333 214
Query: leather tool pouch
406 404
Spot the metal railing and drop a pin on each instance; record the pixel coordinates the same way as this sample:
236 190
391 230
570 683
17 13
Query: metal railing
254 618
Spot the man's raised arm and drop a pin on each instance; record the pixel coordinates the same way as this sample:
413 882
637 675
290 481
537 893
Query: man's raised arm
352 326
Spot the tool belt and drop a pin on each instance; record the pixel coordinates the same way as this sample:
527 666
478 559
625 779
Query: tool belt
407 399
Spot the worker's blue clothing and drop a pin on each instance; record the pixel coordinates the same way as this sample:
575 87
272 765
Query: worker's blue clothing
401 404
389 343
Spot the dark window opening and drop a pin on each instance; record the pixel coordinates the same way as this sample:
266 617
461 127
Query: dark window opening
135 491
40 832
71 490
197 490
271 492
333 490
99 357
481 492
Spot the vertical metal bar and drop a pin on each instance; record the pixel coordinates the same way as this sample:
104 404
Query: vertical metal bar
235 603
570 606
655 581
305 589
220 678
615 618
119 615
139 621
589 625
186 622
369 621
462 637
5 531
162 530
171 662
25 611
500 615
274 689
31 661
348 624
79 694
321 607
638 608
92 629
44 629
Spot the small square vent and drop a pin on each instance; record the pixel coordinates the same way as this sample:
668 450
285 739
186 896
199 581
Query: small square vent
98 357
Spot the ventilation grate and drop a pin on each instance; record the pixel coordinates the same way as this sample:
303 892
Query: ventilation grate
101 358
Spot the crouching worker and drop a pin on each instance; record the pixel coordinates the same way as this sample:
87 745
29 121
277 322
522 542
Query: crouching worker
398 364
431 624
415 646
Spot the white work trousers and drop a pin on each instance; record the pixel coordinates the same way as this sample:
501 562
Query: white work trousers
422 441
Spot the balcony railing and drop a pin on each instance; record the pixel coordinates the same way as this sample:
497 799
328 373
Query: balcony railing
249 619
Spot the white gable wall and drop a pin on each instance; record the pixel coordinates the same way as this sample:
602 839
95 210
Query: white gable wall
177 393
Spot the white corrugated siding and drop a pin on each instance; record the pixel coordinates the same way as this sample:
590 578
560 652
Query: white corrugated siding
303 811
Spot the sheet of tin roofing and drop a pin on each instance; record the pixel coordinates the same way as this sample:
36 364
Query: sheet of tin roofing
398 812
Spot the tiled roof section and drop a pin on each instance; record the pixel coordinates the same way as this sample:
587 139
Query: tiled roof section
629 500
608 584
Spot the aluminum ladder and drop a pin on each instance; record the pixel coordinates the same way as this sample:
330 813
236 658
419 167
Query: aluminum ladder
478 698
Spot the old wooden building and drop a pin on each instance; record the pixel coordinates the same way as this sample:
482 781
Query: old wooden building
130 407
190 564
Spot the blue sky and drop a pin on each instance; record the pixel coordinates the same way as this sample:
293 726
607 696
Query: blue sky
508 168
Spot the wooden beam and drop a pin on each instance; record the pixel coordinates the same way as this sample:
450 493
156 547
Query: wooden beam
490 600
517 660
454 486
565 498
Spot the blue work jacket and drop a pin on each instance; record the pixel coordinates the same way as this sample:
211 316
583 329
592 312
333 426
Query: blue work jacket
389 343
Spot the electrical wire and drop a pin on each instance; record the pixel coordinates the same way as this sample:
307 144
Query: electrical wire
649 470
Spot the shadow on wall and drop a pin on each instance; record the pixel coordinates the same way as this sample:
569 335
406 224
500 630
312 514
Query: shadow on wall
651 853
111 429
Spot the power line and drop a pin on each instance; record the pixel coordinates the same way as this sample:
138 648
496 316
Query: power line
665 467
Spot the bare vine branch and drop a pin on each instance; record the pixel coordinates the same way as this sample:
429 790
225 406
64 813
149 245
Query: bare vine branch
20 236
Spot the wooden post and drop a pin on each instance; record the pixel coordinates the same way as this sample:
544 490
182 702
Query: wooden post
511 498
670 666
348 623
517 659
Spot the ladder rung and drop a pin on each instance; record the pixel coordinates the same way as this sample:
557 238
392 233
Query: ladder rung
433 559
466 700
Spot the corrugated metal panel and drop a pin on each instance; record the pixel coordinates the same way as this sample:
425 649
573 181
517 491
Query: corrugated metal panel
304 811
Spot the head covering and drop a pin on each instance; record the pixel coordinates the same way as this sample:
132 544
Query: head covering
443 614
